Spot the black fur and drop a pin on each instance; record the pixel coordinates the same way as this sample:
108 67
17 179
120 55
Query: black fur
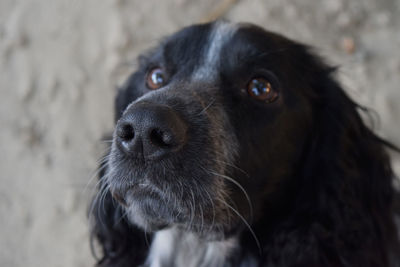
319 181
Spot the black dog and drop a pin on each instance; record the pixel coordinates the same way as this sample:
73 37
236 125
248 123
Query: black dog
235 146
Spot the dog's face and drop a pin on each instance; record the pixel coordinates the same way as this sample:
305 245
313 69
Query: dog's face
202 126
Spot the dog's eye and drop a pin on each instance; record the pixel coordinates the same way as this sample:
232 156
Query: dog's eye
155 78
261 89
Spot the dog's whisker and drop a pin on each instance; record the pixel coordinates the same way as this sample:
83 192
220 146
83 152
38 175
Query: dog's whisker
180 197
103 196
202 219
247 225
97 171
105 152
239 186
213 210
102 160
123 215
232 165
97 184
96 203
146 239
202 201
207 107
94 175
193 212
228 212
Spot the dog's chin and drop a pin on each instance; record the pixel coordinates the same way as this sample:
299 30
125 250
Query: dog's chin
150 225
148 213
152 215
147 224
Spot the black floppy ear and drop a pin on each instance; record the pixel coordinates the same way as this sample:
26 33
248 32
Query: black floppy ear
347 145
122 244
347 175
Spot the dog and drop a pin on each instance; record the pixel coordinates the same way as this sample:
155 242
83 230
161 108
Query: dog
235 146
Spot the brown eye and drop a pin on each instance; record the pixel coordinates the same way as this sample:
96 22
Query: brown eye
261 89
155 78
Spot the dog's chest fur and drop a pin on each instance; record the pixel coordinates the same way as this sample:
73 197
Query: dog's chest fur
173 247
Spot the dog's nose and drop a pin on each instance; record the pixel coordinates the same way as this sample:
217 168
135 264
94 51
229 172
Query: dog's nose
150 131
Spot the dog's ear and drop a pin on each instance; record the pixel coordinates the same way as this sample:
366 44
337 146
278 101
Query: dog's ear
122 244
347 170
346 145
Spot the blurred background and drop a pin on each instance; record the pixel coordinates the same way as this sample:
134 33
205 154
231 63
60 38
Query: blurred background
61 60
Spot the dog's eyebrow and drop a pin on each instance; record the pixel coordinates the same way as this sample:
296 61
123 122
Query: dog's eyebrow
220 34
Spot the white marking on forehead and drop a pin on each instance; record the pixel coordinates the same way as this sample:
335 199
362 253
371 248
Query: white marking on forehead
221 33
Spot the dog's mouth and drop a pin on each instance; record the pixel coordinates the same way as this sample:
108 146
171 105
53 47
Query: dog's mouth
162 202
171 194
151 209
133 190
142 205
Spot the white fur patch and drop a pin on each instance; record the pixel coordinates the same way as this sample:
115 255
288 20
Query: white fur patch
220 35
161 249
173 247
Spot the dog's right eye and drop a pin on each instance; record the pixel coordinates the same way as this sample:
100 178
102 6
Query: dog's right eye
261 89
155 78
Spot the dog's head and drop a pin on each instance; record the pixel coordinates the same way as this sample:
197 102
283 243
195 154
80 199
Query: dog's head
210 127
225 127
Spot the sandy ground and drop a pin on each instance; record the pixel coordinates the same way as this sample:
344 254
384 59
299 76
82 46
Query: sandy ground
61 60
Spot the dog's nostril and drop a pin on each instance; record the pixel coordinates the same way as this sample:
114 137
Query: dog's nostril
126 132
161 138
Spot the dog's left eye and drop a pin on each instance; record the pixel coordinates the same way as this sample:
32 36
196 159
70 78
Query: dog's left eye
261 89
155 78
